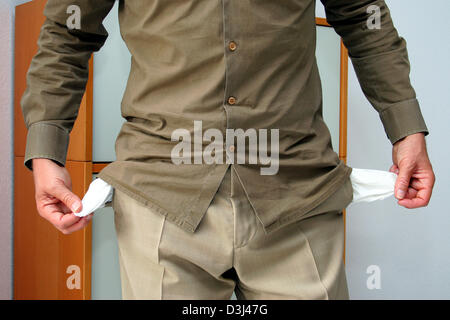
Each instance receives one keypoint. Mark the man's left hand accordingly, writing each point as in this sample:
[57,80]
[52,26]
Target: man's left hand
[416,178]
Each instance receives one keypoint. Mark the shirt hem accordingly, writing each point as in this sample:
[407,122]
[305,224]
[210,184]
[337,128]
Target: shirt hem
[189,222]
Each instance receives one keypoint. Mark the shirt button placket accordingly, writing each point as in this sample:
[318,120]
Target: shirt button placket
[230,50]
[232,47]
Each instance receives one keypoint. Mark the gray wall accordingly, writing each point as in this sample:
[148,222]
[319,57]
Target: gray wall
[410,247]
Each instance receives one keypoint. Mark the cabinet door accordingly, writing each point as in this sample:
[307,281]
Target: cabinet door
[47,264]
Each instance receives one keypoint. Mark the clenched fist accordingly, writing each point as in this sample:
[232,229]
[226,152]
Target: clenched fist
[416,178]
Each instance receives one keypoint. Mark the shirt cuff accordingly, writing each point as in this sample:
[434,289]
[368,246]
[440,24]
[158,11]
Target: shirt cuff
[48,141]
[403,119]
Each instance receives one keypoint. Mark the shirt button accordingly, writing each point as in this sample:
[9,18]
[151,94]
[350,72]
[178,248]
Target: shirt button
[232,46]
[231,148]
[231,100]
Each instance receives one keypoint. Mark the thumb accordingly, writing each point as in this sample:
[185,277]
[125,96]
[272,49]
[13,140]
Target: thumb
[403,178]
[67,197]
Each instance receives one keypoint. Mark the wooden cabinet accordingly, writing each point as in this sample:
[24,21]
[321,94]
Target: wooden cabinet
[44,258]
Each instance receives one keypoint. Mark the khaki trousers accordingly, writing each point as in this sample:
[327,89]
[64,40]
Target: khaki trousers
[229,252]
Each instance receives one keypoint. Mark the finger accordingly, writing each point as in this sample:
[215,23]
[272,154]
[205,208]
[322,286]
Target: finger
[416,184]
[412,203]
[426,189]
[53,214]
[83,222]
[63,208]
[421,199]
[67,197]
[411,193]
[69,219]
[394,169]
[402,182]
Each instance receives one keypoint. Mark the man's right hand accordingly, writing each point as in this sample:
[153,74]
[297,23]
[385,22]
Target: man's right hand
[55,200]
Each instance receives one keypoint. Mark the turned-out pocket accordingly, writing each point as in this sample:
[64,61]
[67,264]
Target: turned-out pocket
[336,203]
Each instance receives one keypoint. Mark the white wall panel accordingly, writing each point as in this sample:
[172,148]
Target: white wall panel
[328,53]
[111,68]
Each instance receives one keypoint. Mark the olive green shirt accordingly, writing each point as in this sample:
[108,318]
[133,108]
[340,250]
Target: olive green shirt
[230,64]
